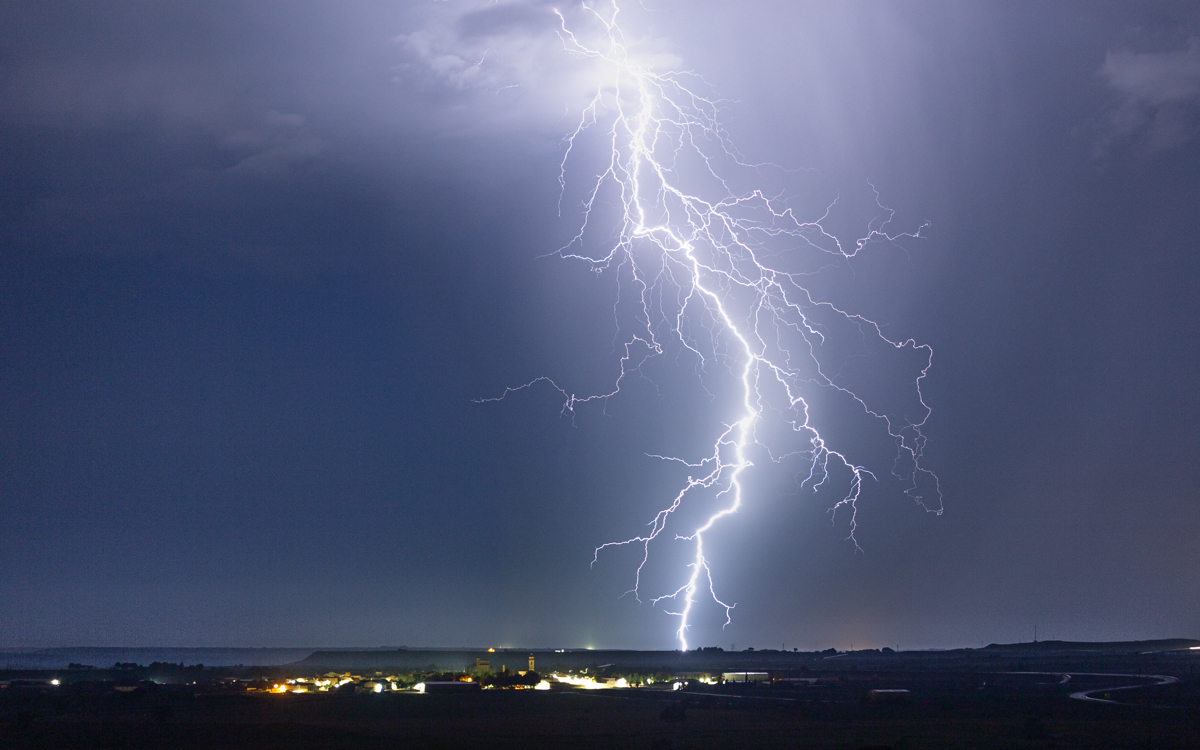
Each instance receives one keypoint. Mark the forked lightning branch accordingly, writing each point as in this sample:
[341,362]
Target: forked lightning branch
[726,274]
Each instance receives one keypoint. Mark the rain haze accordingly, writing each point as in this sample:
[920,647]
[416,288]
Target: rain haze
[260,262]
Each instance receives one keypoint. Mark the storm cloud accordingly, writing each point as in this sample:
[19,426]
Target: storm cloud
[1158,98]
[259,260]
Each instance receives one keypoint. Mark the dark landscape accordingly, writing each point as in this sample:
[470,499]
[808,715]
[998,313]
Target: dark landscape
[1033,695]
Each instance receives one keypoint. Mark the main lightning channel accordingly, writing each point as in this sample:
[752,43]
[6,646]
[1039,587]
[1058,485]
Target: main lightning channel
[712,259]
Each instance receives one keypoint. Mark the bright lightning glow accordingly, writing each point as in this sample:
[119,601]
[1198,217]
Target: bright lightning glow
[726,275]
[587,683]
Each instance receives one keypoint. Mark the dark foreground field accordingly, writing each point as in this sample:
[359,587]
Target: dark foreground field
[949,712]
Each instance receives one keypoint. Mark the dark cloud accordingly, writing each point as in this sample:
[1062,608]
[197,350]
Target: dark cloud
[1158,99]
[527,18]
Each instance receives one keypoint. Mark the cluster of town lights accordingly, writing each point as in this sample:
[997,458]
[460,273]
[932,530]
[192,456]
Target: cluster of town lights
[588,683]
[389,684]
[302,685]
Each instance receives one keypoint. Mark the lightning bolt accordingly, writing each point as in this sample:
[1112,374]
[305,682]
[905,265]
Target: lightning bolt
[714,269]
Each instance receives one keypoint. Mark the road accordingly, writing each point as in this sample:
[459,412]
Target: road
[1086,695]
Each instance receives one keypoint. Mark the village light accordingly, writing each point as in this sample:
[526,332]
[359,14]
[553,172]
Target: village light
[587,683]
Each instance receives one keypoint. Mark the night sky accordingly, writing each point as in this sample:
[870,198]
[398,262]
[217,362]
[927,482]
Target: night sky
[258,261]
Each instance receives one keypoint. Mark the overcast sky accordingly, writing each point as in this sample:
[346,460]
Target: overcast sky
[258,261]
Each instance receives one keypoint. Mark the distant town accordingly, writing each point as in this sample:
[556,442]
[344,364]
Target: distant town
[1042,694]
[506,670]
[709,669]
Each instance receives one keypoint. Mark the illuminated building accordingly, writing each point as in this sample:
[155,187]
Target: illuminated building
[745,676]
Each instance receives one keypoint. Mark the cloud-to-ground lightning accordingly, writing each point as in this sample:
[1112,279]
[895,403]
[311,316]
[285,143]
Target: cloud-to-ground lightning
[725,273]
